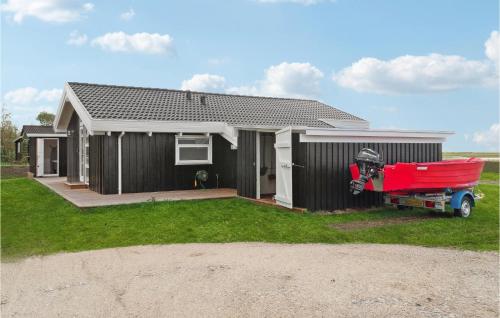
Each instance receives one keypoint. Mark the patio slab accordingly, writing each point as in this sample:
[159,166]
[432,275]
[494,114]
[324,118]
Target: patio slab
[85,198]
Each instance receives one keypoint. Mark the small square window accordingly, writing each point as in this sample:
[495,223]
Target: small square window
[193,150]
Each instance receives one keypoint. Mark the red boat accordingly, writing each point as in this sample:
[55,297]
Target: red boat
[423,177]
[430,185]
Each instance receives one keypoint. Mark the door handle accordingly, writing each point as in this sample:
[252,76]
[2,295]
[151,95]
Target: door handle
[296,165]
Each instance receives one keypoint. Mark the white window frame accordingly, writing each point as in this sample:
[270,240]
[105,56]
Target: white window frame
[179,162]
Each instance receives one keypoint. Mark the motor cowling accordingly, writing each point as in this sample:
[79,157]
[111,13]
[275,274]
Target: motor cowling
[369,164]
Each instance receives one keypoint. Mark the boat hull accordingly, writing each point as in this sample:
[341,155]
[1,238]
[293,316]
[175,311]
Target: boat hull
[425,177]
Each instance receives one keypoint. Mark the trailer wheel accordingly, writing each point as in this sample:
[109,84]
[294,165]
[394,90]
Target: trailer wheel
[465,207]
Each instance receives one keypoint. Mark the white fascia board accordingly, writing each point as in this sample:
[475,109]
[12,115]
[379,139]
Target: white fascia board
[373,135]
[378,133]
[340,123]
[100,126]
[263,128]
[230,134]
[156,126]
[373,139]
[70,96]
[47,135]
[62,101]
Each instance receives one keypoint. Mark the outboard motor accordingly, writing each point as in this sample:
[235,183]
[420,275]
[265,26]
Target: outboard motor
[369,164]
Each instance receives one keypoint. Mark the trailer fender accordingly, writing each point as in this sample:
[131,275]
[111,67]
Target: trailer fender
[456,198]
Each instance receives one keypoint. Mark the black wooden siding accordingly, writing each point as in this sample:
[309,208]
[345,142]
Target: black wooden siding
[72,144]
[63,154]
[298,171]
[148,164]
[325,183]
[32,154]
[103,164]
[247,176]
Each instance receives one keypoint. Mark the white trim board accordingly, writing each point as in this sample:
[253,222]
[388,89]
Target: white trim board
[47,135]
[374,135]
[360,124]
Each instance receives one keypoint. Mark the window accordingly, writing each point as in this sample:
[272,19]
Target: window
[19,146]
[193,150]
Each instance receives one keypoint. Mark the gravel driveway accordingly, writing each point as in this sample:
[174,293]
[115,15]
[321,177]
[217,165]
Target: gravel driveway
[253,280]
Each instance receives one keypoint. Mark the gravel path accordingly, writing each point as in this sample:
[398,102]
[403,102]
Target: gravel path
[254,280]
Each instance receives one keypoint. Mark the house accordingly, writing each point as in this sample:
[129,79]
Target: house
[132,139]
[44,148]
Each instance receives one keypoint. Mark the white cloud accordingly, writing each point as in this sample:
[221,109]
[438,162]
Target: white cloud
[27,95]
[488,138]
[46,10]
[411,74]
[297,80]
[21,96]
[25,103]
[302,2]
[492,47]
[127,15]
[148,43]
[88,6]
[77,39]
[49,95]
[204,83]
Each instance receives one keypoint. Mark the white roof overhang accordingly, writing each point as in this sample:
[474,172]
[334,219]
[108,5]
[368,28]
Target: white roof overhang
[374,135]
[47,135]
[346,123]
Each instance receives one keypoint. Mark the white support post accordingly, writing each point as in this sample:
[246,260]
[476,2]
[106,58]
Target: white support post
[257,165]
[120,162]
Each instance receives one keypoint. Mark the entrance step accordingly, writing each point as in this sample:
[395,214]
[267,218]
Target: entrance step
[77,185]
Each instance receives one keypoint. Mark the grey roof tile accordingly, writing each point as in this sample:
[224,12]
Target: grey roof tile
[37,129]
[139,103]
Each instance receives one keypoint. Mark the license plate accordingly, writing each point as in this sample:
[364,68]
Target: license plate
[413,202]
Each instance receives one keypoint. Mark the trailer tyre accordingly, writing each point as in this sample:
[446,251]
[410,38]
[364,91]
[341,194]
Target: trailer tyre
[465,207]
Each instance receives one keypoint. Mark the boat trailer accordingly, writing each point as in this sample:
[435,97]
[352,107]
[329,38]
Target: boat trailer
[370,171]
[461,201]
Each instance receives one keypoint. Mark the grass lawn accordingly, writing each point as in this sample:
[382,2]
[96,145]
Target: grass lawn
[471,154]
[37,221]
[490,176]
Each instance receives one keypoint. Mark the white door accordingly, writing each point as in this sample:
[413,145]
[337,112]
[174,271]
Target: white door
[284,165]
[47,157]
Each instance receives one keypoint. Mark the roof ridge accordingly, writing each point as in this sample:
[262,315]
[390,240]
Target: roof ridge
[196,92]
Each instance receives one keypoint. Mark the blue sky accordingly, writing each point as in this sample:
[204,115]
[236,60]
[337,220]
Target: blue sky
[399,64]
